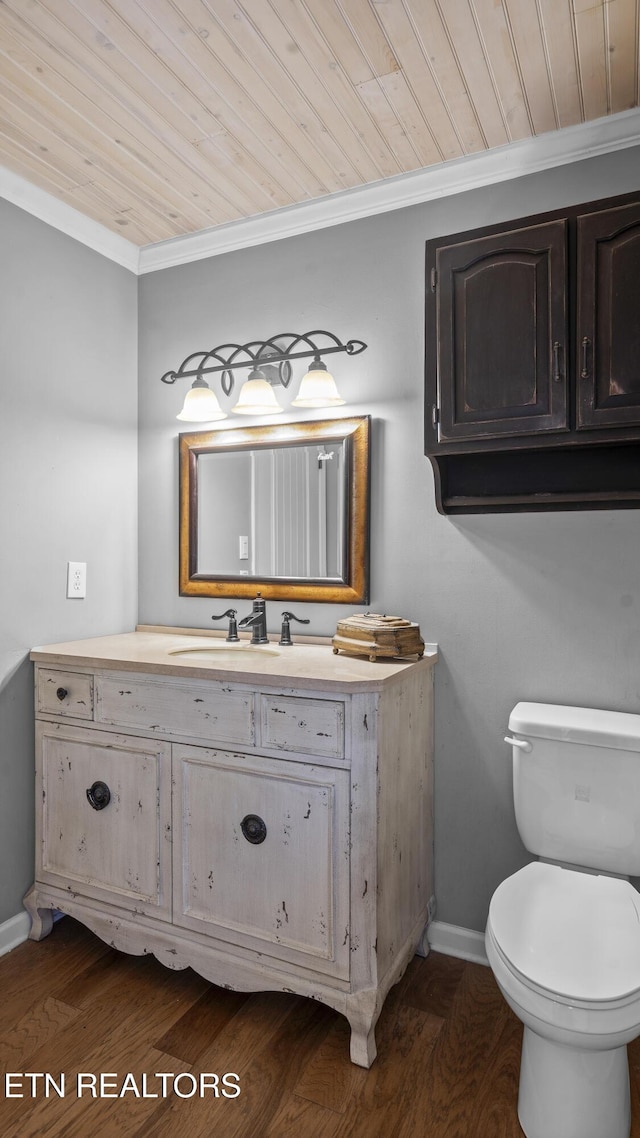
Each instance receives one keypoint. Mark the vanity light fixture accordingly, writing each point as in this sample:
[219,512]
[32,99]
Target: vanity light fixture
[318,388]
[201,404]
[257,396]
[270,364]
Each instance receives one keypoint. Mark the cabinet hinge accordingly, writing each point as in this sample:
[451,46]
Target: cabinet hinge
[435,416]
[434,279]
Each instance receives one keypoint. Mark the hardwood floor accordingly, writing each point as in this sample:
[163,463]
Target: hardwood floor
[447,1066]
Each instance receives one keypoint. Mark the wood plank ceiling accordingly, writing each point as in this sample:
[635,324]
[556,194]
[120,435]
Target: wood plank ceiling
[163,117]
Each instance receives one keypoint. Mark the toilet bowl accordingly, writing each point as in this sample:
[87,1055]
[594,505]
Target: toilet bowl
[564,946]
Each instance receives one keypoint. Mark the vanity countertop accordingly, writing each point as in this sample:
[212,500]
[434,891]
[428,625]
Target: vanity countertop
[302,665]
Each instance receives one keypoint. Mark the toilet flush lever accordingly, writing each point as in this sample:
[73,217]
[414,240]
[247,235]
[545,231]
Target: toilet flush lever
[523,744]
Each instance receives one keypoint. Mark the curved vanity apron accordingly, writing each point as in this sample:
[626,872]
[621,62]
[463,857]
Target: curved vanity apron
[573,934]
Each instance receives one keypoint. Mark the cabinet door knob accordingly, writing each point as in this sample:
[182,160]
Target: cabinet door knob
[99,795]
[253,829]
[62,693]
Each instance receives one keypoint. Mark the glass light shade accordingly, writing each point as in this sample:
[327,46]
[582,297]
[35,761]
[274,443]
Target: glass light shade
[201,405]
[257,398]
[318,389]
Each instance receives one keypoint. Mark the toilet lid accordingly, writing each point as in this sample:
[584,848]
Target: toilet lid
[575,934]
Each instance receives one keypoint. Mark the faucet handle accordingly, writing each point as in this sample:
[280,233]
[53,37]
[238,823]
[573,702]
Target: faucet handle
[233,624]
[285,635]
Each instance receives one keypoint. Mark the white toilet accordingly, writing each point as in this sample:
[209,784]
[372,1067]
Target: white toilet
[563,935]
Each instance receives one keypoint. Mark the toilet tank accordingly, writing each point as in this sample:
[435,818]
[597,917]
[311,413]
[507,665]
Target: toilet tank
[576,785]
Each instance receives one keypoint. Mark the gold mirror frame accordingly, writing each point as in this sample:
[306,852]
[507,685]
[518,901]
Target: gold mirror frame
[354,587]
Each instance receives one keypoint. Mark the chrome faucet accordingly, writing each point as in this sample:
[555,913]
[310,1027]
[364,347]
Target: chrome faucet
[257,621]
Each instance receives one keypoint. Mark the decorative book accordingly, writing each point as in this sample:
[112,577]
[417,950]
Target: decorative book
[378,636]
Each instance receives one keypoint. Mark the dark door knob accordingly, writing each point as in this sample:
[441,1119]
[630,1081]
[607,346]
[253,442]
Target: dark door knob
[253,829]
[99,795]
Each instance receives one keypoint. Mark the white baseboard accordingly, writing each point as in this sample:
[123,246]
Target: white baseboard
[453,940]
[14,931]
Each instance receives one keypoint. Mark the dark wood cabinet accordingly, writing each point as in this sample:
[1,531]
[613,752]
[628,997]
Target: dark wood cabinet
[532,383]
[608,317]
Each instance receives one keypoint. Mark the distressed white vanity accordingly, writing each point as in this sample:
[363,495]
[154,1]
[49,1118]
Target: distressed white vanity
[260,814]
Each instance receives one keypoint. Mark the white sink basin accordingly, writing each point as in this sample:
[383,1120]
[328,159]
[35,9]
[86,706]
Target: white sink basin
[222,651]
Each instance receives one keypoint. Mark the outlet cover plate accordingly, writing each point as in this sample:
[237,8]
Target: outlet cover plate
[76,580]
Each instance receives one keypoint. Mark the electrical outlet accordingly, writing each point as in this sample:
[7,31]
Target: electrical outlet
[76,579]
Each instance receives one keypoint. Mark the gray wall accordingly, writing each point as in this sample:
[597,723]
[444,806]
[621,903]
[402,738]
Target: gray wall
[68,471]
[539,606]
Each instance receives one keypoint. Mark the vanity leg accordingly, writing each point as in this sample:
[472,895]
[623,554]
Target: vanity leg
[362,1011]
[41,919]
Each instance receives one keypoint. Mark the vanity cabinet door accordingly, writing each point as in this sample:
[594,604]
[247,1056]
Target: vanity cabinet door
[262,850]
[608,323]
[105,824]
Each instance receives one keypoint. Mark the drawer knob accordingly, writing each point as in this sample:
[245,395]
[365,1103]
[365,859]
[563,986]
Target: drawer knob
[253,829]
[62,693]
[99,795]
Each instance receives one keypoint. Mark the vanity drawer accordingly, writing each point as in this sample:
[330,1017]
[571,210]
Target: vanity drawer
[196,709]
[64,693]
[313,726]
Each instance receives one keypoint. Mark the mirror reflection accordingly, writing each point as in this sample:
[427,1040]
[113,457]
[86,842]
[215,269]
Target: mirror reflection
[283,509]
[282,514]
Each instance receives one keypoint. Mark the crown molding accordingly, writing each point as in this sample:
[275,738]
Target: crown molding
[46,207]
[516,159]
[503,163]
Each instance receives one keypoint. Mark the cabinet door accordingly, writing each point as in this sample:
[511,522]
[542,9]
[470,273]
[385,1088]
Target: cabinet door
[111,844]
[608,324]
[263,855]
[501,334]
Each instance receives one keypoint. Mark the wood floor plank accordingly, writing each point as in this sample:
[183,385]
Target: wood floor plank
[35,970]
[408,1037]
[201,1023]
[41,1023]
[80,1114]
[365,1103]
[130,1114]
[271,1077]
[107,970]
[446,1097]
[496,1103]
[433,987]
[300,1118]
[633,1051]
[330,1079]
[120,1042]
[236,1049]
[144,1004]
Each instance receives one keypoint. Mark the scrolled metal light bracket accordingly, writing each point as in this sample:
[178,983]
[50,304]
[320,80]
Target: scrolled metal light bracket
[265,354]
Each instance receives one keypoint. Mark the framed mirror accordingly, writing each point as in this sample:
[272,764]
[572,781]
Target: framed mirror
[283,510]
